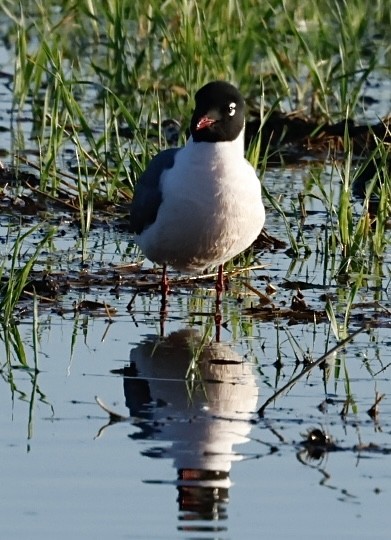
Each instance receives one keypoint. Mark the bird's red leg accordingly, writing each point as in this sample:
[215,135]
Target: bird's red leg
[164,283]
[219,292]
[219,285]
[163,308]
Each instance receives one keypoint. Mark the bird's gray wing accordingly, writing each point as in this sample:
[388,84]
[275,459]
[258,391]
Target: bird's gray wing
[147,195]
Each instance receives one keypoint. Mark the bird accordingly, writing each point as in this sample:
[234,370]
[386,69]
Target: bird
[199,205]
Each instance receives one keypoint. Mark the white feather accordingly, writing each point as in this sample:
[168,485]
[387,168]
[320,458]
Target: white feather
[211,207]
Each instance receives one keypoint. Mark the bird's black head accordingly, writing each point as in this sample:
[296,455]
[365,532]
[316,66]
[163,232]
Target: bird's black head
[219,113]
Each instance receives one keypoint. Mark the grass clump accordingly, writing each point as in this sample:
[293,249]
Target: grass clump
[15,277]
[316,56]
[97,79]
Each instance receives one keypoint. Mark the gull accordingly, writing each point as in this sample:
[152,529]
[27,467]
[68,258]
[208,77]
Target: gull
[200,205]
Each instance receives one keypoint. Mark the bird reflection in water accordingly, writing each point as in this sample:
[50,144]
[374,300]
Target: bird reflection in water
[199,418]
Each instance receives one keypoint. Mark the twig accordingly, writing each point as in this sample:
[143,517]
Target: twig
[213,275]
[324,357]
[114,416]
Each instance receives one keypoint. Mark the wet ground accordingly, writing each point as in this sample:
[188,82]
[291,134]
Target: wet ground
[109,429]
[193,453]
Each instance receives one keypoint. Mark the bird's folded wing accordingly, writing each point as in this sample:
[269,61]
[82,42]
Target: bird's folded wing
[147,195]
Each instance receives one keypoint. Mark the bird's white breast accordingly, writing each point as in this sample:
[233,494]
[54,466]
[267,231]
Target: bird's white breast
[211,208]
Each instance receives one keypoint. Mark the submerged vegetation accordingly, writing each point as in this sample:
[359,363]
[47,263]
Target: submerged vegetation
[91,90]
[97,87]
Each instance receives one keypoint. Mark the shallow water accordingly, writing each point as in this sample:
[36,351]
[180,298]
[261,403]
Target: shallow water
[66,472]
[189,456]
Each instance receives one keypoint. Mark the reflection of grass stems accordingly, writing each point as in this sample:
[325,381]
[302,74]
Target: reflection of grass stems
[13,344]
[329,354]
[31,405]
[341,331]
[73,340]
[352,294]
[332,318]
[295,346]
[193,371]
[14,348]
[35,332]
[348,391]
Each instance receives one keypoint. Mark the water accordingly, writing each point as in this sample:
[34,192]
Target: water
[66,472]
[190,457]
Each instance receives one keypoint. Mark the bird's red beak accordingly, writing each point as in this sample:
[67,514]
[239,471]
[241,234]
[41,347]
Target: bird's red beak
[204,122]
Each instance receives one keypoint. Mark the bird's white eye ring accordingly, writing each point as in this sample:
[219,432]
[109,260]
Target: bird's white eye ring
[232,109]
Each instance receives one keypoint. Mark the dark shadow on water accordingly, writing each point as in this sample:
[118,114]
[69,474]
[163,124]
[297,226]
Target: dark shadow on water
[194,401]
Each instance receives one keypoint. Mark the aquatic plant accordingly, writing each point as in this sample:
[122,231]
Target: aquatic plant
[97,80]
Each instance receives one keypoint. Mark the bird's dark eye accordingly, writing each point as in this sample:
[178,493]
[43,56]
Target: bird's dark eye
[232,109]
